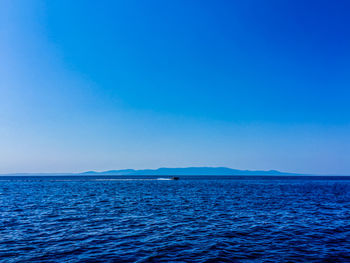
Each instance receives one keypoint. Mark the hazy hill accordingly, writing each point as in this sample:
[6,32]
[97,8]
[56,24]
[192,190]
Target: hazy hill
[187,171]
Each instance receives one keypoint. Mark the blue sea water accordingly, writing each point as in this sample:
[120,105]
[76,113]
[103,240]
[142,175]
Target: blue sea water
[194,219]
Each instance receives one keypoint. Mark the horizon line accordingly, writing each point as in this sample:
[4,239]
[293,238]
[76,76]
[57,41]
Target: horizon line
[156,169]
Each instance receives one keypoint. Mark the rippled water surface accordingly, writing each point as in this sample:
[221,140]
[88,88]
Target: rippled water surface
[85,219]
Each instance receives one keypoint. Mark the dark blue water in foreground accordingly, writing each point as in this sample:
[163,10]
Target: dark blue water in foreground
[247,219]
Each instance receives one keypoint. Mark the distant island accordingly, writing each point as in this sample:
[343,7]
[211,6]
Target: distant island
[219,171]
[188,171]
[192,171]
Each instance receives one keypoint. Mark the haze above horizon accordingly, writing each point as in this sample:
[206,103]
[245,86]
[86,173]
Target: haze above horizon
[255,85]
[171,171]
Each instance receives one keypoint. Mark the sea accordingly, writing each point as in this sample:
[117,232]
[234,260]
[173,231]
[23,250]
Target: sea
[155,219]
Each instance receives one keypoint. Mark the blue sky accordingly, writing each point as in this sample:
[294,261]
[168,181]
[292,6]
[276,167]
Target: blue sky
[98,85]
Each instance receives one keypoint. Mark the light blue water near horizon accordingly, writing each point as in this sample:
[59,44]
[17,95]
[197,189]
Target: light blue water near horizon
[194,219]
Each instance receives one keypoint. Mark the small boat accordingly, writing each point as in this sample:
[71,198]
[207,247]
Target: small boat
[174,178]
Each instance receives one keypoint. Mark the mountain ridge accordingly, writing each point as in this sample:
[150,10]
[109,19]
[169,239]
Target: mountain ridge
[188,171]
[180,171]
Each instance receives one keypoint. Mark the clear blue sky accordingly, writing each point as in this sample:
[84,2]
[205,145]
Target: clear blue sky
[98,85]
